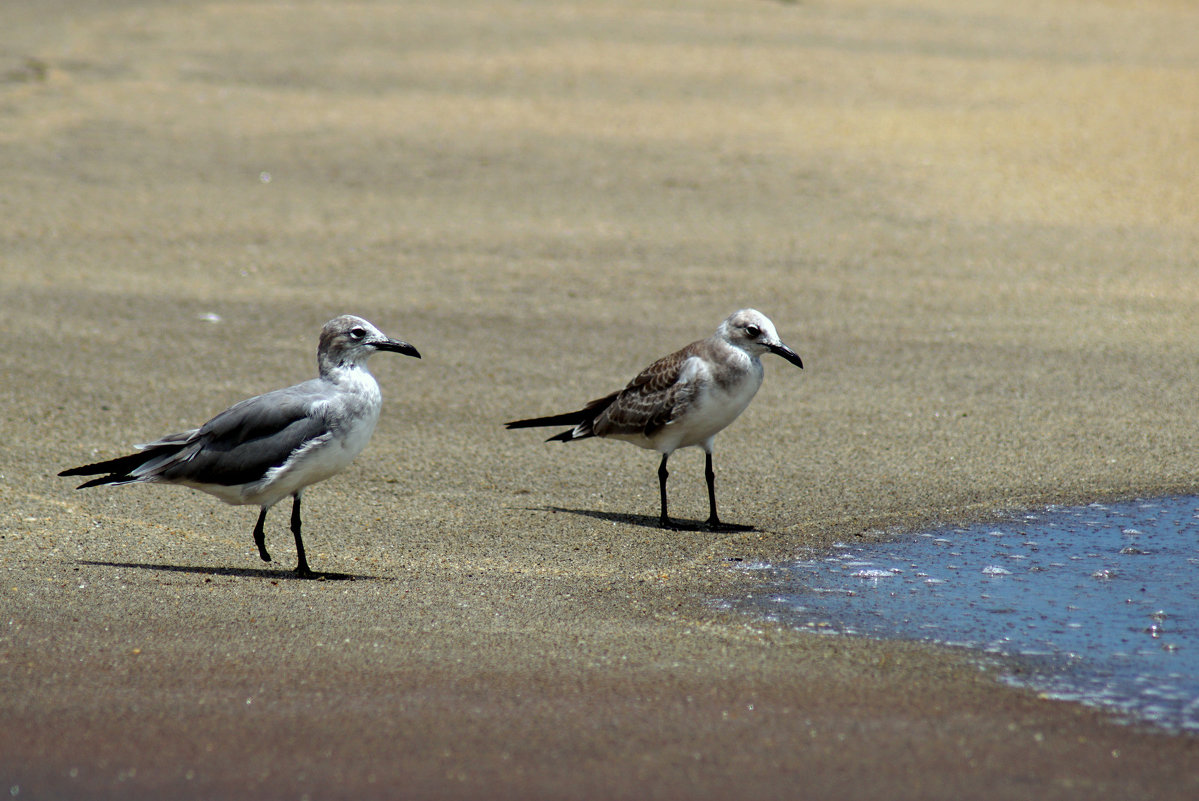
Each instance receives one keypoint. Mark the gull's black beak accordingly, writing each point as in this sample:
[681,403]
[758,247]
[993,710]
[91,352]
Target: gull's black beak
[788,354]
[397,346]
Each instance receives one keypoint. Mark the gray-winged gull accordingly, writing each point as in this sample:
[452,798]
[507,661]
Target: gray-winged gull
[270,446]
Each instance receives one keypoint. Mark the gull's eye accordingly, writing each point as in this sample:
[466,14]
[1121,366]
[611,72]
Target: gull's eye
[358,333]
[752,331]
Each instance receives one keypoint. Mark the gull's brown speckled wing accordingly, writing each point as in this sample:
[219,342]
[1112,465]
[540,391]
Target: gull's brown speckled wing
[652,399]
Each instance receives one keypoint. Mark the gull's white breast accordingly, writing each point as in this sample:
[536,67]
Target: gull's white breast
[722,394]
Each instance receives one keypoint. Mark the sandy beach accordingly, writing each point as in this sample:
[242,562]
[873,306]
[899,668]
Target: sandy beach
[975,222]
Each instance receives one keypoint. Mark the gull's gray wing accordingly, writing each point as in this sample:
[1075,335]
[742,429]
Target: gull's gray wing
[241,443]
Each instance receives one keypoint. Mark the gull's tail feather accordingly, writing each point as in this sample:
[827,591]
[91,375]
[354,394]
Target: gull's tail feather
[570,434]
[581,420]
[570,418]
[138,466]
[576,419]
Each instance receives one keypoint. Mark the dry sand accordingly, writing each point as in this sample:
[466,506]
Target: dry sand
[976,222]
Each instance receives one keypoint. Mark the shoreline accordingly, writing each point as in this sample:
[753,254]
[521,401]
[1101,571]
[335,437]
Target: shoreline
[1055,647]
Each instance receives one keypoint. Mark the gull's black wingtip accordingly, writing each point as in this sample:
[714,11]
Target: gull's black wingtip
[535,422]
[112,478]
[82,470]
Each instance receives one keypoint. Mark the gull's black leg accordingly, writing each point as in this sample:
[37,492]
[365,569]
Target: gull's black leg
[710,476]
[713,518]
[663,473]
[302,567]
[260,535]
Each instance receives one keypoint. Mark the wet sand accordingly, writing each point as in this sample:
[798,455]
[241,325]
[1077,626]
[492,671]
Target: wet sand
[976,224]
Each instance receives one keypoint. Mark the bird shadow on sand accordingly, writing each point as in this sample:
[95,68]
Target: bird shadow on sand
[238,572]
[645,521]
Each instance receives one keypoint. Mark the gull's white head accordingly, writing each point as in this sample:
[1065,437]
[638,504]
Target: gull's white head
[752,332]
[348,341]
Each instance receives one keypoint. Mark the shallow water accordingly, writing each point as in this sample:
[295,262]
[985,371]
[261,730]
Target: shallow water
[1096,604]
